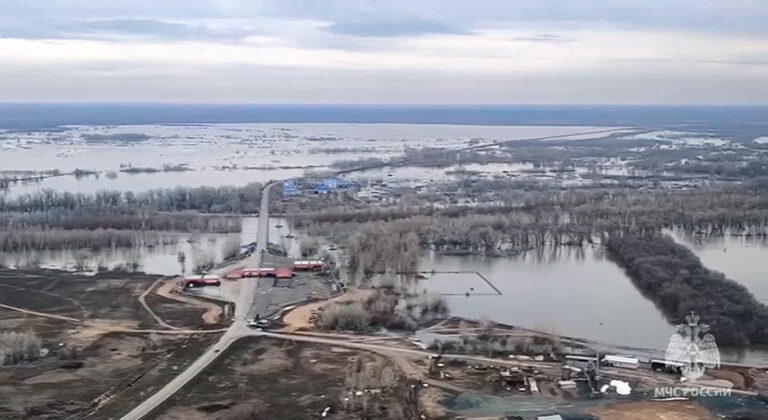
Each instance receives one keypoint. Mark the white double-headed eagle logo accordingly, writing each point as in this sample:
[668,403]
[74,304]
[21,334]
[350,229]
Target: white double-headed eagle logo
[693,351]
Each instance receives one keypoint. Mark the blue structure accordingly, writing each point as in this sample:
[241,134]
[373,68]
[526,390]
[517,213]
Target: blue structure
[331,183]
[290,188]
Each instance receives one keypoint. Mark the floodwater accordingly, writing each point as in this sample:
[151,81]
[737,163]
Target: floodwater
[144,181]
[158,259]
[223,154]
[740,258]
[569,291]
[573,292]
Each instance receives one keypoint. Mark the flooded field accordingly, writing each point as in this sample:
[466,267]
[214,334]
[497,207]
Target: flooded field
[221,154]
[197,248]
[163,259]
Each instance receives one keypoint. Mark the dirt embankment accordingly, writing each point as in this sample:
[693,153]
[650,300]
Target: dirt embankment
[299,317]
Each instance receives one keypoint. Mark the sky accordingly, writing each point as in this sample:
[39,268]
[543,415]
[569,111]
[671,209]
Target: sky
[385,52]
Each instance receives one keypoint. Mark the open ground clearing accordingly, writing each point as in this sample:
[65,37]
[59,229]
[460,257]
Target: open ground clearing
[94,363]
[267,378]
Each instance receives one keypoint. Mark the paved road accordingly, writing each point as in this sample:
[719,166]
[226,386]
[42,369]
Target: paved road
[238,329]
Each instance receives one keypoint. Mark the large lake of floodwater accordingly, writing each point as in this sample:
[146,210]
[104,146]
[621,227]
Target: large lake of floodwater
[226,154]
[569,291]
[581,293]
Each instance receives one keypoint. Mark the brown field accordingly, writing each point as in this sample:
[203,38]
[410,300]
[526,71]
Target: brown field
[266,379]
[93,365]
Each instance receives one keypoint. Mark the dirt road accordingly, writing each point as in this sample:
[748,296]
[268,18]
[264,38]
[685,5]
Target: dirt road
[212,312]
[41,314]
[143,301]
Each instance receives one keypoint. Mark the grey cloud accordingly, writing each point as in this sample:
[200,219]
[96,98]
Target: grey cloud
[112,28]
[31,18]
[386,29]
[543,38]
[735,16]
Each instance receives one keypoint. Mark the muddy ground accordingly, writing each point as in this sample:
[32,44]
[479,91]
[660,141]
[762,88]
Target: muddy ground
[269,379]
[89,368]
[103,296]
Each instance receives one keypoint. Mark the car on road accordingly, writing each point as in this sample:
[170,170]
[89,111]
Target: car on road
[259,323]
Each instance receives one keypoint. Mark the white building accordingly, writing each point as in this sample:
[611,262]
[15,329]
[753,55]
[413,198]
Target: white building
[621,361]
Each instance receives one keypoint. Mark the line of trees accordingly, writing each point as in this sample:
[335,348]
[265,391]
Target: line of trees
[202,199]
[36,238]
[707,211]
[674,278]
[88,219]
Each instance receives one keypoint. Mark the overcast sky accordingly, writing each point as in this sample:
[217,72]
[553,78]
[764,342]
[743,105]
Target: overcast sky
[393,51]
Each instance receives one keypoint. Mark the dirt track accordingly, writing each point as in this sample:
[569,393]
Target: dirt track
[143,301]
[105,326]
[41,314]
[212,312]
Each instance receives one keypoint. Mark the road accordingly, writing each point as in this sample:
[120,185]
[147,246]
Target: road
[237,330]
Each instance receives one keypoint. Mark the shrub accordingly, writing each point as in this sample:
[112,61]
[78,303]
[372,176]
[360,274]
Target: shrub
[345,317]
[18,348]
